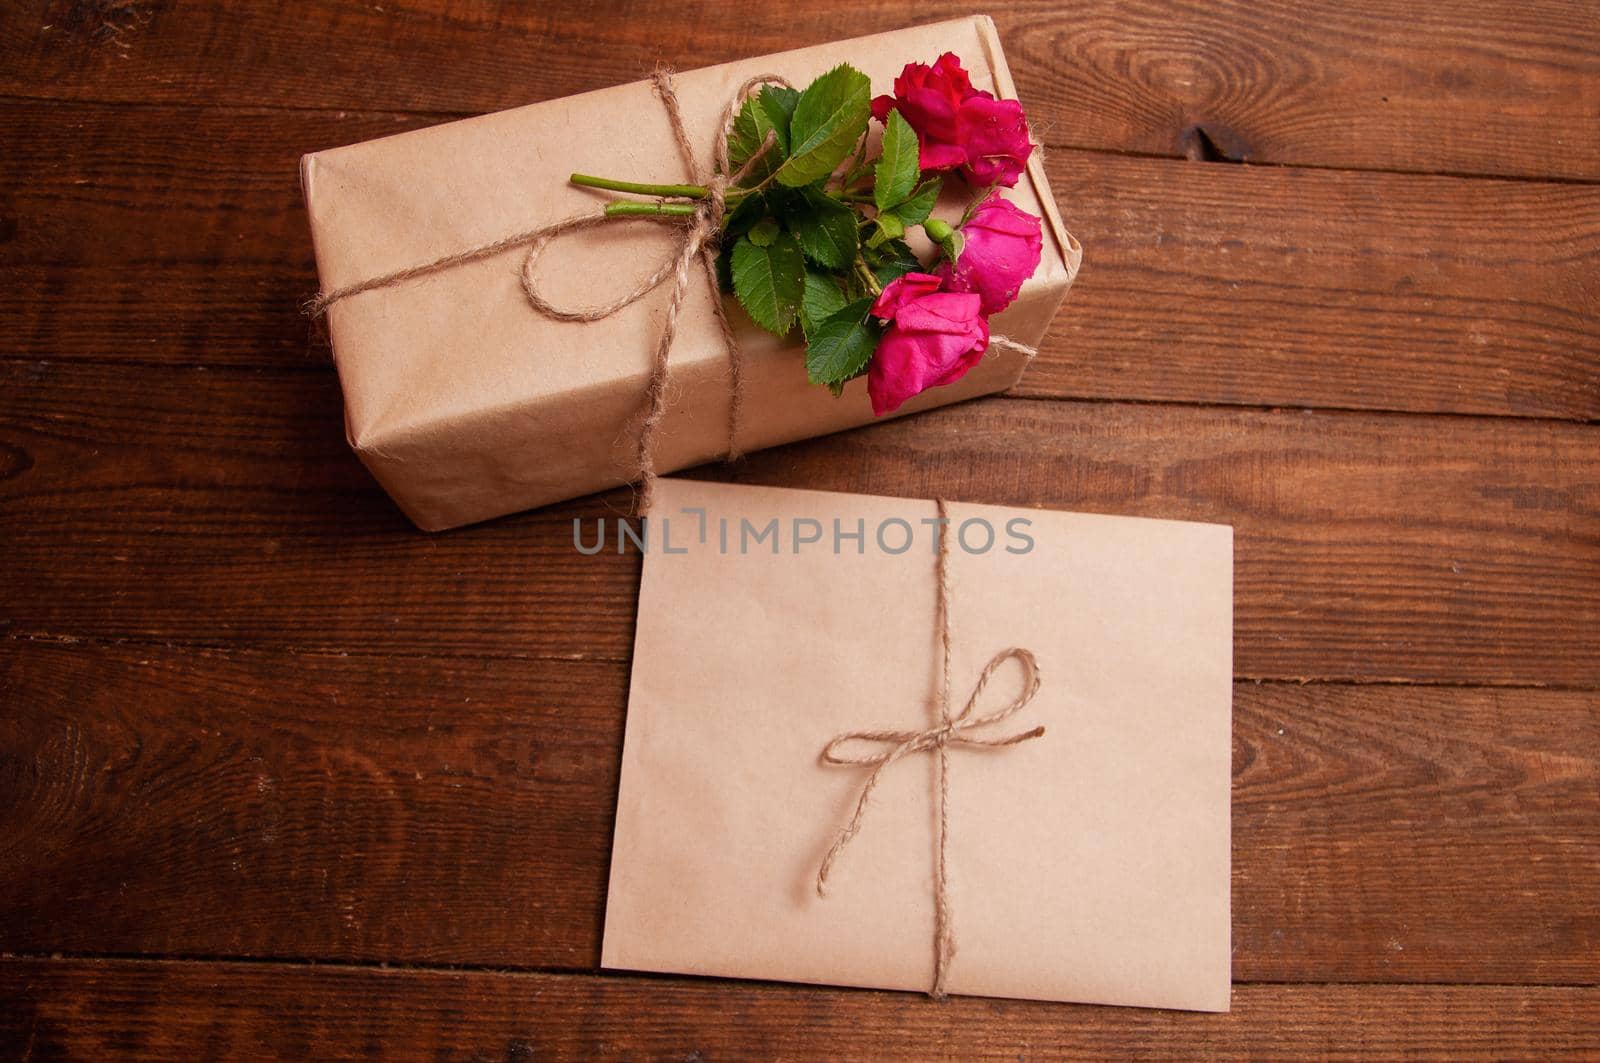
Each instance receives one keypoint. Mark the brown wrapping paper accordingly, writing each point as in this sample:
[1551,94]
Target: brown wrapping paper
[466,404]
[1090,864]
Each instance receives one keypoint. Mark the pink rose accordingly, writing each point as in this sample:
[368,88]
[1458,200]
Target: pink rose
[1001,248]
[958,125]
[934,337]
[995,136]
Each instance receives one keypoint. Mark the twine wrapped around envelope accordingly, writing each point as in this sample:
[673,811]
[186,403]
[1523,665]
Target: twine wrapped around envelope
[701,231]
[952,731]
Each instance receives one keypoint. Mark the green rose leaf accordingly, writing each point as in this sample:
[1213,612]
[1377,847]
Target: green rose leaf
[781,99]
[826,228]
[841,347]
[763,232]
[889,228]
[829,117]
[768,111]
[823,298]
[898,166]
[915,209]
[770,281]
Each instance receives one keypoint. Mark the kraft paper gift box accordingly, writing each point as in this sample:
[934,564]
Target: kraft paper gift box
[1090,863]
[466,404]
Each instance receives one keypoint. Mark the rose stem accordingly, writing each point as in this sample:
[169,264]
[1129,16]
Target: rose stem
[866,275]
[672,210]
[681,191]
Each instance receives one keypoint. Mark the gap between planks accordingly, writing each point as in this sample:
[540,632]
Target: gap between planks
[610,973]
[268,649]
[441,117]
[1018,394]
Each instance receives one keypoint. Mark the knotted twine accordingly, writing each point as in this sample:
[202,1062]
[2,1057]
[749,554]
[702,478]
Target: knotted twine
[699,241]
[700,235]
[952,731]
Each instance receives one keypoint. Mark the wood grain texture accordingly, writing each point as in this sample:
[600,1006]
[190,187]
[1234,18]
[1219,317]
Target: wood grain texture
[1255,285]
[223,508]
[248,713]
[1464,86]
[167,801]
[177,236]
[84,1009]
[224,803]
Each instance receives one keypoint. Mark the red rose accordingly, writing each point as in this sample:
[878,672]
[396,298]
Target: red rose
[958,125]
[934,337]
[1000,250]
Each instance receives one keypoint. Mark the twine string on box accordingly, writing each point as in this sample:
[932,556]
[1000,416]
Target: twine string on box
[698,242]
[952,731]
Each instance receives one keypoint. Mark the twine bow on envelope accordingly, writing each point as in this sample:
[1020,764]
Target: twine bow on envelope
[954,730]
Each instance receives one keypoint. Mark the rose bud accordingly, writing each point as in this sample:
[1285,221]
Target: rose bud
[958,125]
[934,337]
[1000,248]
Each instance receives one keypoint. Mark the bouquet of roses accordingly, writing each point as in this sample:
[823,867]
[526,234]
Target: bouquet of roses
[814,224]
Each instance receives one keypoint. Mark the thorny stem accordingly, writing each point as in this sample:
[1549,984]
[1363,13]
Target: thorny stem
[867,278]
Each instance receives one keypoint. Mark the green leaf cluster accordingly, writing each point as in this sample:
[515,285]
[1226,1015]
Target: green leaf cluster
[786,216]
[813,219]
[805,243]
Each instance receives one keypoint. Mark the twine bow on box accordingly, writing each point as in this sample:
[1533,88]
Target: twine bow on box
[701,229]
[957,730]
[699,241]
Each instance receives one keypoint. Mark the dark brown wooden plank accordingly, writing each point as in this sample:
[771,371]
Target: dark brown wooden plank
[223,508]
[167,801]
[163,234]
[193,802]
[88,1009]
[1310,288]
[1466,86]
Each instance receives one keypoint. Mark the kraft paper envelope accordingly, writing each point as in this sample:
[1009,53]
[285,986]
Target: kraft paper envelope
[1090,864]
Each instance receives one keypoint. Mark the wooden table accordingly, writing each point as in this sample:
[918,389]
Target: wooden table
[281,777]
